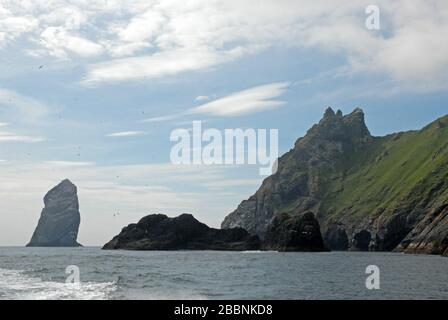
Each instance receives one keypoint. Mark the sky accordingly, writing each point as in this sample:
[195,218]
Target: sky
[91,90]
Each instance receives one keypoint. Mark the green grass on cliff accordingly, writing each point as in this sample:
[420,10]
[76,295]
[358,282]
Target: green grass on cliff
[403,169]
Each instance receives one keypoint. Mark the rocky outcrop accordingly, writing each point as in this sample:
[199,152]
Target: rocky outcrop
[430,235]
[367,193]
[297,185]
[294,233]
[60,218]
[159,232]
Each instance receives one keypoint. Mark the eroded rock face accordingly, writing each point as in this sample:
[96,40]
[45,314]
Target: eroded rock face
[430,235]
[336,238]
[294,233]
[159,232]
[60,218]
[361,240]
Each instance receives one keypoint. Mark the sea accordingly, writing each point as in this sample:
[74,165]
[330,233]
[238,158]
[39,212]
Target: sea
[92,273]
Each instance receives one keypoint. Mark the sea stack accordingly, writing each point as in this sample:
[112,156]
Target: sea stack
[60,218]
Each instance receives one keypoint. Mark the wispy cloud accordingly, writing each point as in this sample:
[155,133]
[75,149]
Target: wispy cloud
[165,118]
[252,100]
[29,109]
[66,164]
[233,183]
[126,134]
[12,137]
[159,64]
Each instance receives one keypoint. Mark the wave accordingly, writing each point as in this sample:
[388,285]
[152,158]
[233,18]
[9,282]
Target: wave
[14,285]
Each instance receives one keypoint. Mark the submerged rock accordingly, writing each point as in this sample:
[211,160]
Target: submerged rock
[60,218]
[159,232]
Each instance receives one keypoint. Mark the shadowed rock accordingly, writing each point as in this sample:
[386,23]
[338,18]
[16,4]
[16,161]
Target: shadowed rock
[159,232]
[59,221]
[294,233]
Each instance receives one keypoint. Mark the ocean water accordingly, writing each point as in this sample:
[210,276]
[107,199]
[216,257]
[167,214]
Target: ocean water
[40,273]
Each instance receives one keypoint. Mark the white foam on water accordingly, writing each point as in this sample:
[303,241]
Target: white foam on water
[14,284]
[140,294]
[259,251]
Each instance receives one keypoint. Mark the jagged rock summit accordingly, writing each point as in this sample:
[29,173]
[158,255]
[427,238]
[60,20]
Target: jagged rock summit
[60,218]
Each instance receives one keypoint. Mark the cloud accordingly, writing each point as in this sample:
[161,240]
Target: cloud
[126,49]
[164,118]
[58,41]
[29,109]
[13,27]
[142,27]
[202,98]
[67,164]
[126,134]
[252,100]
[161,39]
[157,65]
[12,137]
[233,183]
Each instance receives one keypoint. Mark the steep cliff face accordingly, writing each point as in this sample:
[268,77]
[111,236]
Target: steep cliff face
[59,221]
[368,193]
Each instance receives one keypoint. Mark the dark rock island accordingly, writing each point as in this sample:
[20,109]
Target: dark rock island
[159,232]
[60,218]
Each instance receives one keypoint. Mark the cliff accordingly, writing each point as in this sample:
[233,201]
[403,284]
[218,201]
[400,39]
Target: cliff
[368,193]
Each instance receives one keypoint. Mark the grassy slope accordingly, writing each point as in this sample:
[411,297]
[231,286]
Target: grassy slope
[408,168]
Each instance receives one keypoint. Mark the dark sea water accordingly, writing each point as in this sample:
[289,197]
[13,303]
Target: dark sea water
[39,273]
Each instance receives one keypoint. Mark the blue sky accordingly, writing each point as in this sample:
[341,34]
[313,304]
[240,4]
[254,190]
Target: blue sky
[91,92]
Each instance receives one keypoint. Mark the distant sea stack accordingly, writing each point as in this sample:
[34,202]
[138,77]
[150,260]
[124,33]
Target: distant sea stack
[159,232]
[368,193]
[60,218]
